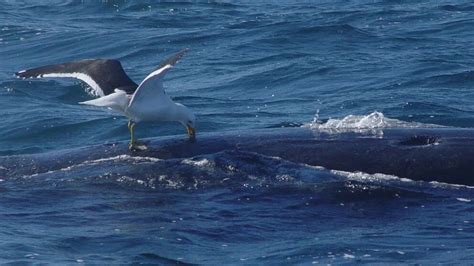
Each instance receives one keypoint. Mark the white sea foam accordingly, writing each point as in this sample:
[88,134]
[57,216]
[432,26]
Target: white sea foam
[378,177]
[448,185]
[348,256]
[463,199]
[371,123]
[361,176]
[199,163]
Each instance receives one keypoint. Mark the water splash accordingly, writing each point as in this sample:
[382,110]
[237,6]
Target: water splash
[372,123]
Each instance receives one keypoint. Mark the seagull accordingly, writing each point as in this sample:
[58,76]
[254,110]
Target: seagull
[106,78]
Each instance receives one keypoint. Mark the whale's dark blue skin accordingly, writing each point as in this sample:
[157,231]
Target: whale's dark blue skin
[431,154]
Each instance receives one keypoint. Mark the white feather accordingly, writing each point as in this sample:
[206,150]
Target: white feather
[151,86]
[97,90]
[117,101]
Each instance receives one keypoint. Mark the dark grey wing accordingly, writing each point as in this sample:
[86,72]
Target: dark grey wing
[172,60]
[102,75]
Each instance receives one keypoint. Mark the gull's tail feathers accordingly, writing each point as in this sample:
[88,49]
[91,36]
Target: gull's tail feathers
[118,101]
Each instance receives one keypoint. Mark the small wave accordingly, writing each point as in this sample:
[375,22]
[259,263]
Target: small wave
[152,258]
[15,33]
[343,29]
[452,79]
[457,8]
[286,124]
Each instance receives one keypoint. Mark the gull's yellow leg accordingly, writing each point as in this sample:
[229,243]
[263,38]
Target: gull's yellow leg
[134,144]
[191,132]
[131,126]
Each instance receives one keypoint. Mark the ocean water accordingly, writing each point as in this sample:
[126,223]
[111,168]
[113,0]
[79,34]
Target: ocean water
[329,65]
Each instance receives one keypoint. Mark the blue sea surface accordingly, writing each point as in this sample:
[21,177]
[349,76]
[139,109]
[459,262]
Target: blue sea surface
[250,65]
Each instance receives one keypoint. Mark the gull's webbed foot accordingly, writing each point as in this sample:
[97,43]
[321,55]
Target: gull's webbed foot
[137,146]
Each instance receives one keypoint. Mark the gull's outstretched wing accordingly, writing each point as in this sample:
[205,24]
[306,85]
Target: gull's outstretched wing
[102,75]
[152,85]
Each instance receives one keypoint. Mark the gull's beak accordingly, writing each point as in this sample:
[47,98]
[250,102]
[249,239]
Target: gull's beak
[191,132]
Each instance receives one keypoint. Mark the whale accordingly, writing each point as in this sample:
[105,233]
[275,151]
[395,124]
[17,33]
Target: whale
[425,154]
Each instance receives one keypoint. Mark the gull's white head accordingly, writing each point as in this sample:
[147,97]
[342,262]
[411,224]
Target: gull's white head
[186,118]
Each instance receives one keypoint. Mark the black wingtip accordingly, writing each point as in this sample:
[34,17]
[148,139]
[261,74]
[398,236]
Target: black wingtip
[172,60]
[23,74]
[19,74]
